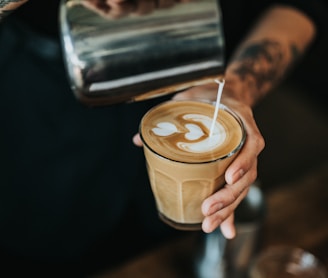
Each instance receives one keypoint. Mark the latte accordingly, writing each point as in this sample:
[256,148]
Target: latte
[185,164]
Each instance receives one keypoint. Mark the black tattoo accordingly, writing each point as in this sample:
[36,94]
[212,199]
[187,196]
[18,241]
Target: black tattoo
[264,63]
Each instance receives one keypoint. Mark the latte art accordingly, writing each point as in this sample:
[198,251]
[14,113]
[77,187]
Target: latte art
[180,131]
[197,139]
[165,129]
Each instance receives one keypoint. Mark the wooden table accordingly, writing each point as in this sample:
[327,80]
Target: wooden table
[297,214]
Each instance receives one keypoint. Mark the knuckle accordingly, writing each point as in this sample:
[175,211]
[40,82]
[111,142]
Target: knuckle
[259,142]
[232,195]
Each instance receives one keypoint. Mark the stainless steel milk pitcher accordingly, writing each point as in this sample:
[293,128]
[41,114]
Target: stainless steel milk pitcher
[135,57]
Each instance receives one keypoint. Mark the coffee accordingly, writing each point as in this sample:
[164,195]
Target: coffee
[185,164]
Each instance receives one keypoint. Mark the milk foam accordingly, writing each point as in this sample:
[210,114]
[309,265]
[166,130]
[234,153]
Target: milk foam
[194,133]
[165,129]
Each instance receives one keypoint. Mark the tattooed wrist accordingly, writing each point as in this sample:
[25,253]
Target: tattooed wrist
[263,64]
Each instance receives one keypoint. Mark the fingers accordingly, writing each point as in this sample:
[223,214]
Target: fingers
[228,228]
[229,194]
[115,9]
[223,217]
[119,8]
[219,207]
[246,161]
[109,8]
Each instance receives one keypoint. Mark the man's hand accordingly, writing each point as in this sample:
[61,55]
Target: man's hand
[219,208]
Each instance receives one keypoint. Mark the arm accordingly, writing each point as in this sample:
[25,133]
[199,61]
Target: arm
[273,47]
[7,6]
[263,59]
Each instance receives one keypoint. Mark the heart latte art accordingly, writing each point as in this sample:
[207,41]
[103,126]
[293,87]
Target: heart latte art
[196,140]
[180,131]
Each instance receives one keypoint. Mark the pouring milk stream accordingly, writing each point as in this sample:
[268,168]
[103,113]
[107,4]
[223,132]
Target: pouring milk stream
[217,104]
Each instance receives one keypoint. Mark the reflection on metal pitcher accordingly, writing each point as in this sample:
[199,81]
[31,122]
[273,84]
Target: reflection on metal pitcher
[129,52]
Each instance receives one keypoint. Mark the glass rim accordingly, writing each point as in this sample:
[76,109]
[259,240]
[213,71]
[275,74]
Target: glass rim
[221,106]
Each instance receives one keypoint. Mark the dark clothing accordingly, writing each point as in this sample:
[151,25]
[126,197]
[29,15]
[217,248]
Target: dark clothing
[73,187]
[70,174]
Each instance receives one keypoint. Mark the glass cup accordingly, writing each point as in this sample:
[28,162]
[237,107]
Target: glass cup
[186,165]
[287,262]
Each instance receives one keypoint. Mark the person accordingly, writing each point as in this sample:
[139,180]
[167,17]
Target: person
[75,197]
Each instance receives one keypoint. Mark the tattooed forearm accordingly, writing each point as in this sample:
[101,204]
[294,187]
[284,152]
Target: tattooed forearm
[7,6]
[257,67]
[261,65]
